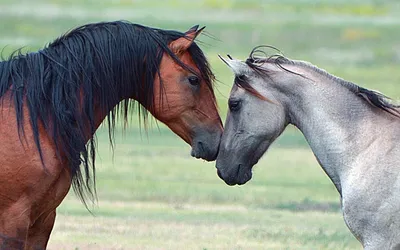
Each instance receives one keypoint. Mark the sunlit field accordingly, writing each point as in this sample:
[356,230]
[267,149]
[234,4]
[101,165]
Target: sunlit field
[151,193]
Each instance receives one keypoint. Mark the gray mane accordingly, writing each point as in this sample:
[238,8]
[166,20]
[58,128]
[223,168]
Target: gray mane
[373,97]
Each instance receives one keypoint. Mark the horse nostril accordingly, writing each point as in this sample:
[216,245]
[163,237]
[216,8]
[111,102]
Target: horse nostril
[238,170]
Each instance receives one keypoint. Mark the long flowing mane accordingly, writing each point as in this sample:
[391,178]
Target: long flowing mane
[106,62]
[258,57]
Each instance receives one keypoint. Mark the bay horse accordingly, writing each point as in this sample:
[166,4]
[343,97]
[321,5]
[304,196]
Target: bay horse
[354,133]
[53,100]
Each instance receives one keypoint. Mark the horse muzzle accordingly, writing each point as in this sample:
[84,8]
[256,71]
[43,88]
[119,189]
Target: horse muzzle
[205,145]
[236,175]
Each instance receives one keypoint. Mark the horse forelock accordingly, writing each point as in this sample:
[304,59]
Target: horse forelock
[105,61]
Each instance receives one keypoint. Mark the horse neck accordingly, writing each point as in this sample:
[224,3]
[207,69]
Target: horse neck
[334,122]
[112,72]
[101,113]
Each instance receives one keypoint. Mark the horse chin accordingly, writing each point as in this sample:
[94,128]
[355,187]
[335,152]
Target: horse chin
[245,177]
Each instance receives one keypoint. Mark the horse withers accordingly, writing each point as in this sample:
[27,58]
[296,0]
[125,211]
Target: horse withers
[53,100]
[354,133]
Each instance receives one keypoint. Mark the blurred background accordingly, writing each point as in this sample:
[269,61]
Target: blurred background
[151,193]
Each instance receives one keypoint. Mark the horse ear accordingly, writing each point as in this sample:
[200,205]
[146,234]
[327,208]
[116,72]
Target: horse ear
[183,43]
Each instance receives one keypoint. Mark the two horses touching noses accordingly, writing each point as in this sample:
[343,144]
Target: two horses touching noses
[53,101]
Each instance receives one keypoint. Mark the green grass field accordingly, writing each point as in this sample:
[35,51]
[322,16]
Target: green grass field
[151,193]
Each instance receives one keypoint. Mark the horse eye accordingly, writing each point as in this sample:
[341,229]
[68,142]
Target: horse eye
[234,105]
[194,80]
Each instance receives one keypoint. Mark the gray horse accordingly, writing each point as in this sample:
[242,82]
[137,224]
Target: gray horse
[354,133]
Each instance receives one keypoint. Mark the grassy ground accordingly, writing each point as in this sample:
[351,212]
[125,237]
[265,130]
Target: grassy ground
[152,195]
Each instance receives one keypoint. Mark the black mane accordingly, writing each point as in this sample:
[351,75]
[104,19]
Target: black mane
[107,62]
[258,57]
